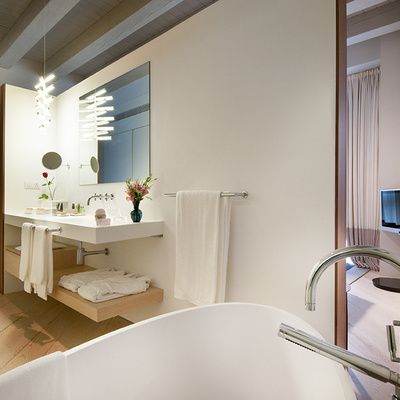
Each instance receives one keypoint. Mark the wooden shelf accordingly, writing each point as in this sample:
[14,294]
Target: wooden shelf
[95,311]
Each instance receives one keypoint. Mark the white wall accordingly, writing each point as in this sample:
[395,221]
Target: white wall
[242,98]
[25,146]
[389,132]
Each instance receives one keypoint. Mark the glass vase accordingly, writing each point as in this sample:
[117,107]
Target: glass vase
[136,214]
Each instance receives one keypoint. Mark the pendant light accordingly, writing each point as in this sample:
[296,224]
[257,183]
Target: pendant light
[43,97]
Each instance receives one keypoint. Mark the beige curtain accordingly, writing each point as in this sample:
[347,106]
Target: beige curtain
[363,226]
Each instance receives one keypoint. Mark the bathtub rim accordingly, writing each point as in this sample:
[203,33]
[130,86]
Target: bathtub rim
[311,330]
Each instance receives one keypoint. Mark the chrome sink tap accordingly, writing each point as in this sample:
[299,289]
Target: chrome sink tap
[94,196]
[100,197]
[339,254]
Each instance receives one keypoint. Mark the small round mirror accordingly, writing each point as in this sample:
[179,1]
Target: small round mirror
[94,164]
[51,160]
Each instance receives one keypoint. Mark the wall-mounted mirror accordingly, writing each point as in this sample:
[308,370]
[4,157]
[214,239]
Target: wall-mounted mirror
[114,129]
[51,160]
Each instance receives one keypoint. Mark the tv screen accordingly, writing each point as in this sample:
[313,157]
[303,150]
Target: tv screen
[390,208]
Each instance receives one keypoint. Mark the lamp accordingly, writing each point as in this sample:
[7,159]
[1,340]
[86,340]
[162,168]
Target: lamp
[43,97]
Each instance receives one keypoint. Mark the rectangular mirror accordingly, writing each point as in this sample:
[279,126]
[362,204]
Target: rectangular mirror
[114,129]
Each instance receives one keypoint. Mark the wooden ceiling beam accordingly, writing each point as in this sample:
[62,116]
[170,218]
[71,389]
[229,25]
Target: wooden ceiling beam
[376,22]
[354,6]
[30,27]
[119,23]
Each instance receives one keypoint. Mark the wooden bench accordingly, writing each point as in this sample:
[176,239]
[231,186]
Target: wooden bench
[64,263]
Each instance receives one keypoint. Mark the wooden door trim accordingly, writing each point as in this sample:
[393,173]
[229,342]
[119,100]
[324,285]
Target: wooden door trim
[340,201]
[2,174]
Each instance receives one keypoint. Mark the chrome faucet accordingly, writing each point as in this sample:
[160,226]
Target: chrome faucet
[339,254]
[342,356]
[100,197]
[345,357]
[94,196]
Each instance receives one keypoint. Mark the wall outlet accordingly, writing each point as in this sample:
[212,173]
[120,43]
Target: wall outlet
[32,185]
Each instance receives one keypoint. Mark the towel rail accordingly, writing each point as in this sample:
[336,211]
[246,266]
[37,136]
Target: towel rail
[59,229]
[244,194]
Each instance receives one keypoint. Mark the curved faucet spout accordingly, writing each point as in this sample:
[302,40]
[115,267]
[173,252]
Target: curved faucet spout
[339,254]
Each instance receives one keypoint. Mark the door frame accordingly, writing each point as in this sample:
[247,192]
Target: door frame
[340,173]
[2,177]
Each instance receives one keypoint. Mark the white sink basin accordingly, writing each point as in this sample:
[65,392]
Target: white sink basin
[84,228]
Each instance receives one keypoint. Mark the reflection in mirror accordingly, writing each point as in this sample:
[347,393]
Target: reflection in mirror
[114,129]
[51,160]
[94,164]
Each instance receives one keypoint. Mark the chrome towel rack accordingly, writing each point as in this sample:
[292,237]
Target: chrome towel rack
[59,229]
[244,194]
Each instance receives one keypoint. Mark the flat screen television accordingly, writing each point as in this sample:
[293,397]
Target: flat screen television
[390,208]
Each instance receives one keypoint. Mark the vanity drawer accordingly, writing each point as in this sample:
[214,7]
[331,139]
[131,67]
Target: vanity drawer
[11,262]
[62,258]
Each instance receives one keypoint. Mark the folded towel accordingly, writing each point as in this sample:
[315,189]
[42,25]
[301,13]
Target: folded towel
[74,281]
[26,254]
[41,274]
[104,284]
[43,379]
[202,240]
[111,288]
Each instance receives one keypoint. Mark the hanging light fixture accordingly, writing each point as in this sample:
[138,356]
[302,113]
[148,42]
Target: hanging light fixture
[43,97]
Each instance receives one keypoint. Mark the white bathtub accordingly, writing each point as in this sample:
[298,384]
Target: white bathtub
[224,351]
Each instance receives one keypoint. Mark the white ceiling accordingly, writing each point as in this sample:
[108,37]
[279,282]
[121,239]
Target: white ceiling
[83,36]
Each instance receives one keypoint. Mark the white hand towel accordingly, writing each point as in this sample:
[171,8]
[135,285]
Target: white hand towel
[26,254]
[223,247]
[43,379]
[202,241]
[41,274]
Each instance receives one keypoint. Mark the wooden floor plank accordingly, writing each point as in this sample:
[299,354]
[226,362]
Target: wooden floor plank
[31,328]
[10,297]
[39,348]
[370,309]
[11,311]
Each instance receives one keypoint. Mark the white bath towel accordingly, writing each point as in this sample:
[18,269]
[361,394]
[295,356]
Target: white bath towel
[202,242]
[26,254]
[111,288]
[43,379]
[74,281]
[41,274]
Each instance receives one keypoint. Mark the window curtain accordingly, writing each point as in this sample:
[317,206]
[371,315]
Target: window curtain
[363,225]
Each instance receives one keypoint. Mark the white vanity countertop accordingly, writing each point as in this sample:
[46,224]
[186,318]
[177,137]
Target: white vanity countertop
[84,228]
